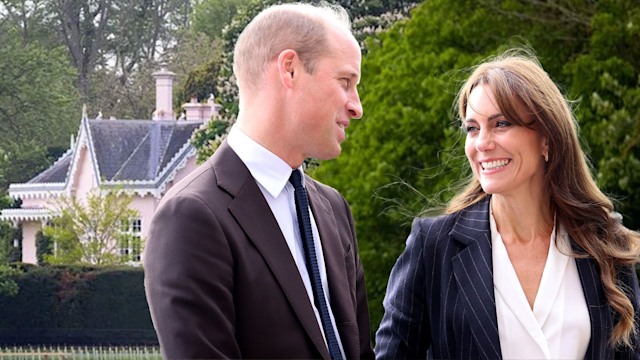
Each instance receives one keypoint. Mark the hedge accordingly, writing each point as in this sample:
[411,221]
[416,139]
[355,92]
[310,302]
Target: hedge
[77,305]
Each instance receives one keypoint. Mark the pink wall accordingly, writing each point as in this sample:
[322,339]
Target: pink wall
[146,206]
[29,230]
[84,179]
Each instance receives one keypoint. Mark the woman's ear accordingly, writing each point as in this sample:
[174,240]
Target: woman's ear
[286,65]
[545,149]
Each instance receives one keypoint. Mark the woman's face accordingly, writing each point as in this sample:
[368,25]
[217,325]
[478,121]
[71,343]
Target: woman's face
[506,158]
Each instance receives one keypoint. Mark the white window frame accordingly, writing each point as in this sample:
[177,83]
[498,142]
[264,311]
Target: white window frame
[132,251]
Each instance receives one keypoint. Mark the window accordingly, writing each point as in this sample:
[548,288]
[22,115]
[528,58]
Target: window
[131,243]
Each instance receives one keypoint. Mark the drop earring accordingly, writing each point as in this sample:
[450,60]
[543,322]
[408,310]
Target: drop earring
[546,156]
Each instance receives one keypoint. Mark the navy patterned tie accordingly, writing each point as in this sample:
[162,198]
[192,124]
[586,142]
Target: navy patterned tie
[302,209]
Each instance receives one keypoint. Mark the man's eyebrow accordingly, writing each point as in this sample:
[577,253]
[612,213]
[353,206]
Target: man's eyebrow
[348,73]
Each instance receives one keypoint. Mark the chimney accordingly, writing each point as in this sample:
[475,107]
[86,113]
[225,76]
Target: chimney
[195,111]
[164,95]
[192,110]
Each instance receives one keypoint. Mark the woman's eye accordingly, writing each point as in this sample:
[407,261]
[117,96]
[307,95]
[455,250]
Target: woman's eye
[470,128]
[503,123]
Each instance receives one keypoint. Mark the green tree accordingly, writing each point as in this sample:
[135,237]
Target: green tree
[108,43]
[8,253]
[20,162]
[38,108]
[83,27]
[29,17]
[195,61]
[141,37]
[8,286]
[35,90]
[211,16]
[90,231]
[607,79]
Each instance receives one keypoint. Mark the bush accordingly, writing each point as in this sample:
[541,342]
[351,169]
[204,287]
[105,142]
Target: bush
[77,305]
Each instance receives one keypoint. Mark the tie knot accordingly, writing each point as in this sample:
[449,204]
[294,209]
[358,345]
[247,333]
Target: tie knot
[296,178]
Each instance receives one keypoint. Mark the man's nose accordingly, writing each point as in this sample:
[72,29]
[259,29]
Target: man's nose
[354,106]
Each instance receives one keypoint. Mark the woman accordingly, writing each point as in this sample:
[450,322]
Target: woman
[529,260]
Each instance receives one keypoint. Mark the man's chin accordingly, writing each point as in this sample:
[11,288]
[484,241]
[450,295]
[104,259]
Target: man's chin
[330,155]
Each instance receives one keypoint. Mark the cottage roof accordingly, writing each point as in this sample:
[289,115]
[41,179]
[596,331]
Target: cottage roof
[56,173]
[141,155]
[137,150]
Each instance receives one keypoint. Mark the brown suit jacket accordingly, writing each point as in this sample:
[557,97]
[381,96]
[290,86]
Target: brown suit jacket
[220,279]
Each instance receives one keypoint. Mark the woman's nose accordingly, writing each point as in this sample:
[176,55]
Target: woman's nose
[484,141]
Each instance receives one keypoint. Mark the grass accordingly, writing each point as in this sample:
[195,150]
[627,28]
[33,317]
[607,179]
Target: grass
[67,352]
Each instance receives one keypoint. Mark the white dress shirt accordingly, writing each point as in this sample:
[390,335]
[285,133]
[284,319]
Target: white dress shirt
[558,326]
[272,176]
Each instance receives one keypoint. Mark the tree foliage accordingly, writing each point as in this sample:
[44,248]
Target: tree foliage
[8,254]
[211,16]
[38,107]
[199,62]
[607,79]
[8,286]
[83,27]
[125,32]
[90,231]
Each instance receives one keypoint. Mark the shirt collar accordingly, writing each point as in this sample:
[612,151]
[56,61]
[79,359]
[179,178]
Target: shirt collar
[270,171]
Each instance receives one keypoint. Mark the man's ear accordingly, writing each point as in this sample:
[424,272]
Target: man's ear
[287,61]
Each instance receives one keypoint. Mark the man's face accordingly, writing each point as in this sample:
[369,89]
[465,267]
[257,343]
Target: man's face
[328,99]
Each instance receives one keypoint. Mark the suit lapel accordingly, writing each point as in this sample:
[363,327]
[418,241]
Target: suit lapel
[334,259]
[599,310]
[473,271]
[254,216]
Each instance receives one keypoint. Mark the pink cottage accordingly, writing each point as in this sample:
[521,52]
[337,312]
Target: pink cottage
[144,157]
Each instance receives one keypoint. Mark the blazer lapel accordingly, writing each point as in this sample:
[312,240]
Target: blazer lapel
[473,271]
[599,310]
[334,259]
[254,216]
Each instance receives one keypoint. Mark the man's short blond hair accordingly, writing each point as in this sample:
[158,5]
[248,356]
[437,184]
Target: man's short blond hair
[300,27]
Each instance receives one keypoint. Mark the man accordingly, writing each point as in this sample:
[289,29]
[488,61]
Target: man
[226,267]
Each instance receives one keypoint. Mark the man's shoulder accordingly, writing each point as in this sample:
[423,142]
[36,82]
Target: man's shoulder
[324,189]
[206,177]
[201,177]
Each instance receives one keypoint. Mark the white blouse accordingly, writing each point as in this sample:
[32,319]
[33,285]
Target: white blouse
[558,327]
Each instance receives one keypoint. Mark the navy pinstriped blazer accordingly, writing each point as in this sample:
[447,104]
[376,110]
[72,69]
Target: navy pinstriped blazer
[440,301]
